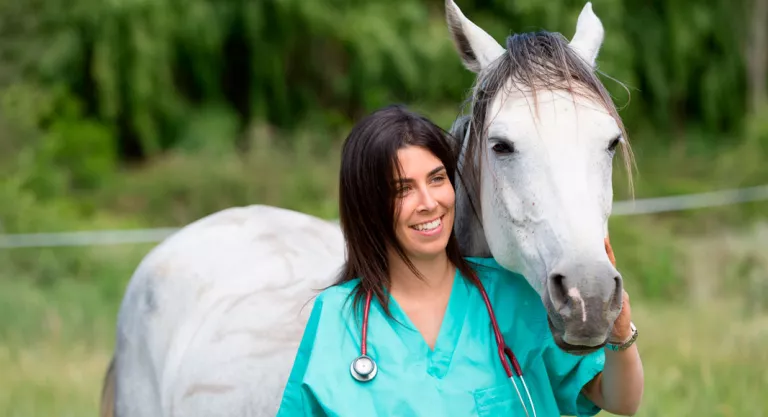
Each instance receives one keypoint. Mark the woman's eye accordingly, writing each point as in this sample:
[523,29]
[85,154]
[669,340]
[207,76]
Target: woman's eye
[438,179]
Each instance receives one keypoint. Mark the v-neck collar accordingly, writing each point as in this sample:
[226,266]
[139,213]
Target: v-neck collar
[439,358]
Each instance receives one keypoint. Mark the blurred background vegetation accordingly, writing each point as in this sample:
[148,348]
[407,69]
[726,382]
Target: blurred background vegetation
[143,113]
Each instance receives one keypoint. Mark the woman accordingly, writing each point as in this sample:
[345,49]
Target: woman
[427,319]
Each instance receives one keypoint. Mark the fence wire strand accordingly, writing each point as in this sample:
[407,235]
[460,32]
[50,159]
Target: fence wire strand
[620,208]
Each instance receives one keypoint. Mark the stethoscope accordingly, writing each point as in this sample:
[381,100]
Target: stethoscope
[364,368]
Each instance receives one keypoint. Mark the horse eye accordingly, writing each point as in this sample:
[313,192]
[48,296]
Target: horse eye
[614,144]
[503,148]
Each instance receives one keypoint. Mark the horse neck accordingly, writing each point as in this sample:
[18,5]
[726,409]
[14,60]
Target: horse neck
[468,228]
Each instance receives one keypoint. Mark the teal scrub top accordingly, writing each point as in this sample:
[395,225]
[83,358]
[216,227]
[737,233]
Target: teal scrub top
[462,376]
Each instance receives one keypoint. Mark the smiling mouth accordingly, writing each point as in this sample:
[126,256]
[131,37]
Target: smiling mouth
[428,226]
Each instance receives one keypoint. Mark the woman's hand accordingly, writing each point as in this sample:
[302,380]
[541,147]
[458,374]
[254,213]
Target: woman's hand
[621,327]
[619,388]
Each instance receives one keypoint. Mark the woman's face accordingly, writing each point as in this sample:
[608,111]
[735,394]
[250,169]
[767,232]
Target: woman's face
[425,198]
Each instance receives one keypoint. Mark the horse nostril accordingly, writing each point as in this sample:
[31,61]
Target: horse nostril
[557,291]
[618,292]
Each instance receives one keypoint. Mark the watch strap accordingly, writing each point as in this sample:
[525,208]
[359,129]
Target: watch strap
[618,347]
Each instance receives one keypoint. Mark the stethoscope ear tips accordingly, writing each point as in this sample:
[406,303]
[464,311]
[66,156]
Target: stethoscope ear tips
[363,368]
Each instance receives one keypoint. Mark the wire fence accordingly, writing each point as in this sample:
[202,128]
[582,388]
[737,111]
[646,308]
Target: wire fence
[620,208]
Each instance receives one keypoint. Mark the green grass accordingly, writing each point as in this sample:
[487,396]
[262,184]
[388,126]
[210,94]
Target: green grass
[51,378]
[699,360]
[702,360]
[703,350]
[55,338]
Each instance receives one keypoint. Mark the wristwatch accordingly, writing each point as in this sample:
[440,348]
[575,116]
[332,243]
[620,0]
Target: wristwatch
[618,347]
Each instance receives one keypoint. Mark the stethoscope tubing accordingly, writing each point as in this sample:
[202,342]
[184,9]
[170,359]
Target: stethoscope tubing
[504,351]
[363,345]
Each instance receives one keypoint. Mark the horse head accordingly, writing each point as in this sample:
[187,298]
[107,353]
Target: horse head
[537,160]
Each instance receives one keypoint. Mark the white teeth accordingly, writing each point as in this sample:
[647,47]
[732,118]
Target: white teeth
[425,227]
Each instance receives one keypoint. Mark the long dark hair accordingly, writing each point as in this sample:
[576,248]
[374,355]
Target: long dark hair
[367,196]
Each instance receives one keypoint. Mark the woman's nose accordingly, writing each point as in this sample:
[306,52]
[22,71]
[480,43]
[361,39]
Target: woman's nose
[428,202]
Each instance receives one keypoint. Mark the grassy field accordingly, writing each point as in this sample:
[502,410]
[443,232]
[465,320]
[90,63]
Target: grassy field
[700,360]
[56,337]
[698,280]
[704,354]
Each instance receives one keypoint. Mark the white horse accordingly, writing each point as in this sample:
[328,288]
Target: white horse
[212,317]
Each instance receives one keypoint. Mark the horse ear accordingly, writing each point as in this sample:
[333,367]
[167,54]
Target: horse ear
[476,47]
[589,35]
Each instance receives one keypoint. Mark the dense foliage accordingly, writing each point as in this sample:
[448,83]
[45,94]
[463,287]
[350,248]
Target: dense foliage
[135,77]
[89,87]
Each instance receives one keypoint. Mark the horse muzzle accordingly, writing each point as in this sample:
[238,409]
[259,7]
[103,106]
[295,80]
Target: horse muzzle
[582,301]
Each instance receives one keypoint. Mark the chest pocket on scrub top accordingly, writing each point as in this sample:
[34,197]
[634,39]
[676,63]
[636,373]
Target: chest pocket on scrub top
[498,400]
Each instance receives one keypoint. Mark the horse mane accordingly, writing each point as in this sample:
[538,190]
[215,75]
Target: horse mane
[533,61]
[467,223]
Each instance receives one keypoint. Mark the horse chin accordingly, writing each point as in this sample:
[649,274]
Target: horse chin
[577,350]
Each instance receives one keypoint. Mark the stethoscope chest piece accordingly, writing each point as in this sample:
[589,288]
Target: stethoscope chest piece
[363,368]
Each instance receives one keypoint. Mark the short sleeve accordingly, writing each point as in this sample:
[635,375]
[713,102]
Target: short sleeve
[568,374]
[298,399]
